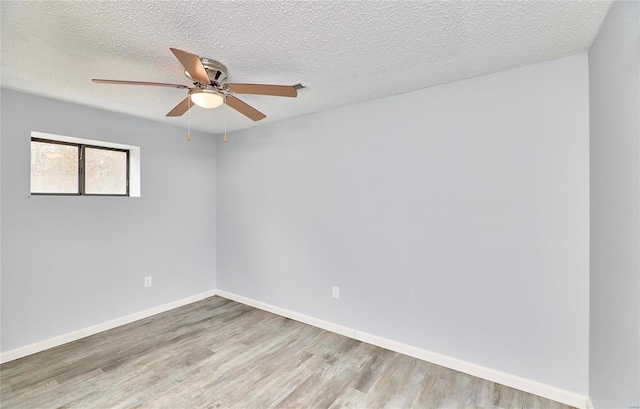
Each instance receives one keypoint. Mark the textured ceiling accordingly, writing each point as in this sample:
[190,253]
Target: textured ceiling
[346,51]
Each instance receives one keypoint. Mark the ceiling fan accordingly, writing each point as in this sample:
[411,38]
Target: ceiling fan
[210,89]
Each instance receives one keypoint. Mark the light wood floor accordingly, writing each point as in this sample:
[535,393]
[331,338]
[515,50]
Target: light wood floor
[217,353]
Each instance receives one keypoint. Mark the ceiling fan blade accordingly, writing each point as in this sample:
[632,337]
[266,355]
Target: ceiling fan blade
[244,108]
[181,108]
[192,64]
[153,84]
[263,89]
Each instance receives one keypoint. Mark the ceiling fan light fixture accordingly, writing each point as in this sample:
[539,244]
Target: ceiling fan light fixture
[206,98]
[211,89]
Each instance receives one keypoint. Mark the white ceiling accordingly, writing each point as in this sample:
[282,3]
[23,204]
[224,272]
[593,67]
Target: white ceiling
[347,51]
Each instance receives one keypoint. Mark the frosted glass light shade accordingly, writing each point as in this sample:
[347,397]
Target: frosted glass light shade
[206,99]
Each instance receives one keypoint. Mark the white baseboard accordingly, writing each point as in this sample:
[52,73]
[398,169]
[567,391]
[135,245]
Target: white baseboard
[589,404]
[85,332]
[560,395]
[547,391]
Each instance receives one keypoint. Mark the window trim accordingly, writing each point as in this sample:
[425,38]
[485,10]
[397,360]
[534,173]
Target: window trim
[133,161]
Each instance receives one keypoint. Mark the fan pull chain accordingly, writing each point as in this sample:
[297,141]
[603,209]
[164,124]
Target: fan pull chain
[189,119]
[225,119]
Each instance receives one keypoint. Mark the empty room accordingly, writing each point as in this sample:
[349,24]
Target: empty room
[320,204]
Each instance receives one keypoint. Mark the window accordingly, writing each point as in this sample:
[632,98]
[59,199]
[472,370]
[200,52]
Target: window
[106,171]
[68,168]
[54,168]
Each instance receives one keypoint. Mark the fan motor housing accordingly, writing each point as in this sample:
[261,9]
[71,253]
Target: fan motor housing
[216,71]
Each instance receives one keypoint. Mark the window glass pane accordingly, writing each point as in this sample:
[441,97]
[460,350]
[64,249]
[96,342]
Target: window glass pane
[105,172]
[54,168]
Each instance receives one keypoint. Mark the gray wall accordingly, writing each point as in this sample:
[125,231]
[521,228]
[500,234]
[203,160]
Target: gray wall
[454,218]
[72,262]
[614,79]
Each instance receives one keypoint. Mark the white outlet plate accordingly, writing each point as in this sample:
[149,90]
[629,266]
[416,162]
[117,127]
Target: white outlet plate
[147,281]
[336,292]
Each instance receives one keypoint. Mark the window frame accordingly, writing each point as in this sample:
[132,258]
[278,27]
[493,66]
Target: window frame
[82,171]
[79,181]
[81,167]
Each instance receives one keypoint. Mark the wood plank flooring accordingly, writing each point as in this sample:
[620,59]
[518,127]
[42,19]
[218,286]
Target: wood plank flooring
[217,353]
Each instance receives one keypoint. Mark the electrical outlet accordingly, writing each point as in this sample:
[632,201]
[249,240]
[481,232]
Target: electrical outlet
[336,292]
[147,281]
